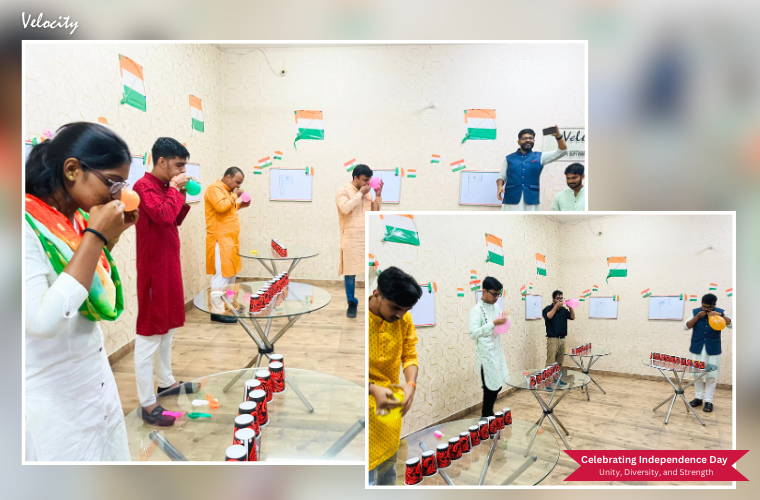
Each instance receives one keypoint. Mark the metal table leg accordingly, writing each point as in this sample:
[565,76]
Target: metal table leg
[488,459]
[678,391]
[548,412]
[585,370]
[519,470]
[346,438]
[271,271]
[441,472]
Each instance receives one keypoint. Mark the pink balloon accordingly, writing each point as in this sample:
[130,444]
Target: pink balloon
[502,329]
[374,182]
[572,303]
[245,197]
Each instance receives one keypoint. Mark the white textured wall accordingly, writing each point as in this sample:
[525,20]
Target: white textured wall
[665,253]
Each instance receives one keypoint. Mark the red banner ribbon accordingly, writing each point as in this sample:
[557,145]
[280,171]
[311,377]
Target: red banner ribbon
[657,465]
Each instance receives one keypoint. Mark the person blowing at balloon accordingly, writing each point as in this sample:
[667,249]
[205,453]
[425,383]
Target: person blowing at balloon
[706,323]
[487,323]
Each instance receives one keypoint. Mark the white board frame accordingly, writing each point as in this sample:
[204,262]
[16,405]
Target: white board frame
[419,303]
[396,202]
[540,316]
[666,319]
[461,181]
[574,154]
[617,303]
[302,171]
[499,302]
[138,163]
[193,170]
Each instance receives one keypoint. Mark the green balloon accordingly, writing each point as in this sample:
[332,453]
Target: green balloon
[193,187]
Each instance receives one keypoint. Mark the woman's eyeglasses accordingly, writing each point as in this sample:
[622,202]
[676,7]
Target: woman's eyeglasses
[113,186]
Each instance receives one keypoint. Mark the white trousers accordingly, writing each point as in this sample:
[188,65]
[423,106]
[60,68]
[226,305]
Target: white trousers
[705,390]
[219,281]
[145,348]
[520,207]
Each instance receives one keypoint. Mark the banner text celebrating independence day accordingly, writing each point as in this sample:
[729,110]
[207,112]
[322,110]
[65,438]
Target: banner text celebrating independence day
[656,465]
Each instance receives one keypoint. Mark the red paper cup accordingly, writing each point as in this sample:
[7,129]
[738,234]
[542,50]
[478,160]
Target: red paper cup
[474,435]
[247,439]
[243,422]
[455,451]
[507,416]
[499,420]
[464,442]
[413,472]
[492,428]
[264,377]
[250,385]
[235,453]
[249,408]
[442,456]
[483,426]
[260,398]
[427,463]
[278,377]
[278,358]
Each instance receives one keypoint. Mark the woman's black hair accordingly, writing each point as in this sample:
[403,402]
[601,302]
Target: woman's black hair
[399,287]
[93,144]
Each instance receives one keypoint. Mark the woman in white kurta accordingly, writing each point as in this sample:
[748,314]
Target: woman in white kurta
[72,409]
[492,365]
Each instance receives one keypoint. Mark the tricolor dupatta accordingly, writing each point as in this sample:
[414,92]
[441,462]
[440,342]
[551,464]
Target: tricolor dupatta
[60,239]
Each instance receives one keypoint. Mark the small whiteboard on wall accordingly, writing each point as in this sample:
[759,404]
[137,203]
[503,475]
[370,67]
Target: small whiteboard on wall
[479,295]
[603,308]
[27,149]
[423,312]
[478,188]
[289,184]
[391,185]
[192,170]
[666,307]
[575,138]
[533,307]
[136,170]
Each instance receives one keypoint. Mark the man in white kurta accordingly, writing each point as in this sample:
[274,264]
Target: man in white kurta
[492,364]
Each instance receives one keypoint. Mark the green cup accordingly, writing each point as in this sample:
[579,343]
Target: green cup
[193,187]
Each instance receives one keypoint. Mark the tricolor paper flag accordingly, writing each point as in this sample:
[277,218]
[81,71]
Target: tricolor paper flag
[372,261]
[460,292]
[481,124]
[400,229]
[683,296]
[474,285]
[713,286]
[530,286]
[523,290]
[616,298]
[581,299]
[256,170]
[646,293]
[595,288]
[458,165]
[618,267]
[309,170]
[265,162]
[411,174]
[196,114]
[134,83]
[399,171]
[730,292]
[473,275]
[278,155]
[435,159]
[586,293]
[540,264]
[495,250]
[432,286]
[146,158]
[692,298]
[350,165]
[309,125]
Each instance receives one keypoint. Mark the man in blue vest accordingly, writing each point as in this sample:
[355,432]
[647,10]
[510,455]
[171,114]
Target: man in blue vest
[705,346]
[518,180]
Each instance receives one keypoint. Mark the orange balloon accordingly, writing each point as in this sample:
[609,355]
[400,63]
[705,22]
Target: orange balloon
[717,322]
[130,199]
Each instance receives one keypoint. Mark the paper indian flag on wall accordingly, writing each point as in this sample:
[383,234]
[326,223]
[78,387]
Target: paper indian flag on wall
[617,267]
[400,229]
[646,293]
[134,83]
[540,264]
[474,285]
[309,125]
[265,162]
[278,155]
[350,164]
[196,113]
[460,292]
[713,286]
[458,165]
[435,158]
[481,124]
[495,250]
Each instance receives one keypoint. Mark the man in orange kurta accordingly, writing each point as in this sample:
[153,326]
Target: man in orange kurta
[222,200]
[353,200]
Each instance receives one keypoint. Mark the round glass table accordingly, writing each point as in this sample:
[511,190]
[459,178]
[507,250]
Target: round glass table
[499,461]
[679,373]
[585,361]
[564,384]
[268,258]
[294,301]
[334,430]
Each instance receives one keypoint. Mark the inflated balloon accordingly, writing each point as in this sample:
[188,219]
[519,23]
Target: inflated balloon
[502,329]
[245,197]
[395,413]
[572,303]
[717,322]
[374,182]
[130,199]
[193,187]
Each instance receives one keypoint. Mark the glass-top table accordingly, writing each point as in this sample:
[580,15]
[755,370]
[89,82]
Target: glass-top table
[268,258]
[295,300]
[499,461]
[679,373]
[564,384]
[334,430]
[585,361]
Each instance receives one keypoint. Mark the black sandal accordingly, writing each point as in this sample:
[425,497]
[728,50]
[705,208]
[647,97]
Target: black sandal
[157,417]
[708,408]
[188,387]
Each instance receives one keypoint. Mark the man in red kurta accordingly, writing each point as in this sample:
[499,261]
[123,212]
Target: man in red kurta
[160,294]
